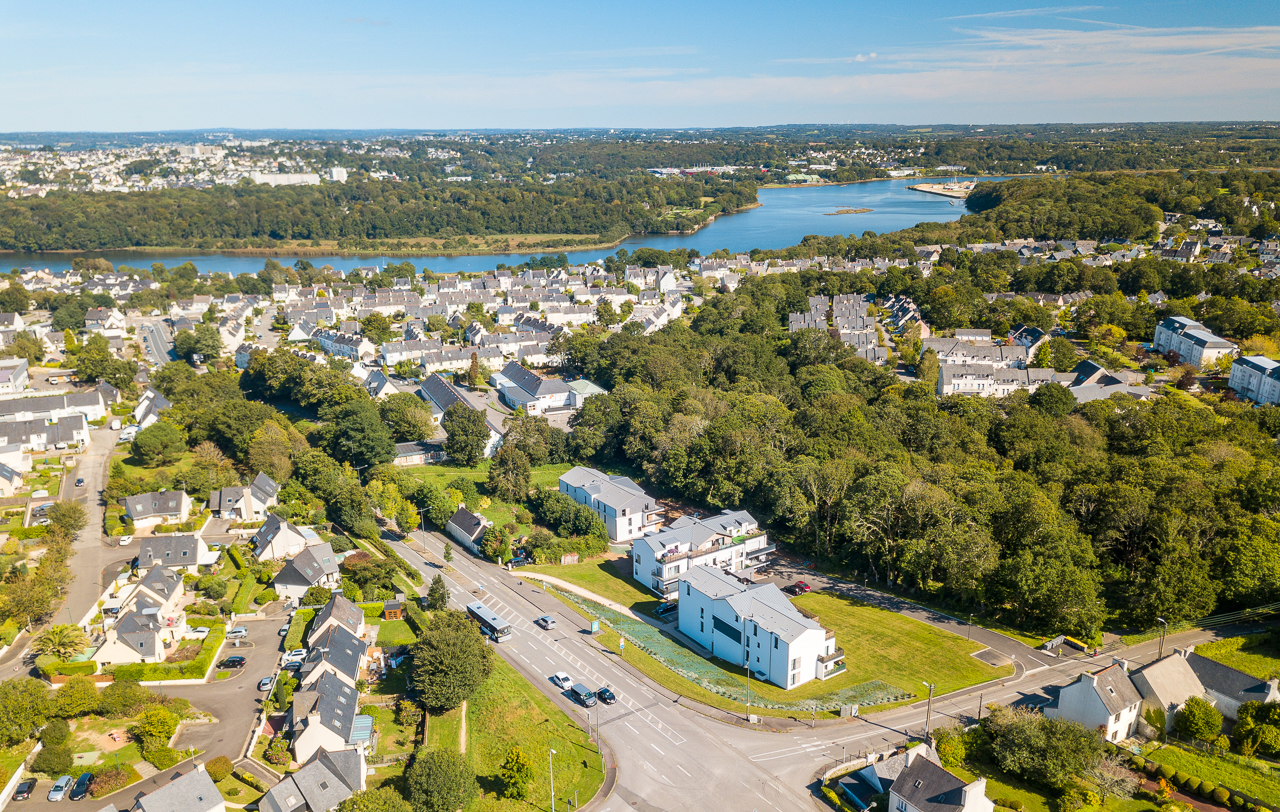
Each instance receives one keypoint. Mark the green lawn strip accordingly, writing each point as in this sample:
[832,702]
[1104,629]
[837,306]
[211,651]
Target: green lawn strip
[246,795]
[12,757]
[397,682]
[395,633]
[1001,785]
[1220,771]
[1254,654]
[134,467]
[443,730]
[384,774]
[606,578]
[245,595]
[392,737]
[508,710]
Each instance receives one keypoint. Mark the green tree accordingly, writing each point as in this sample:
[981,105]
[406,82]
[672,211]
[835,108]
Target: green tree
[159,444]
[376,327]
[1053,399]
[606,315]
[53,761]
[155,726]
[516,773]
[509,475]
[203,340]
[25,345]
[1198,720]
[316,596]
[407,417]
[63,641]
[69,516]
[448,552]
[14,299]
[219,768]
[410,715]
[271,452]
[358,435]
[382,799]
[94,362]
[77,696]
[24,708]
[467,434]
[437,594]
[451,660]
[440,781]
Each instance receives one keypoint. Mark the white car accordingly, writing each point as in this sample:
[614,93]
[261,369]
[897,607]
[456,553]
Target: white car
[195,632]
[295,656]
[238,633]
[562,680]
[125,540]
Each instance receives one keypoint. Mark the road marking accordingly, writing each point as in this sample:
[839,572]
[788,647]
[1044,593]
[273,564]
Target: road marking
[654,746]
[632,729]
[526,659]
[681,769]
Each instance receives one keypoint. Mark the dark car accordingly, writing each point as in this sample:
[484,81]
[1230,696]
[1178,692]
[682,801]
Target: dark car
[798,588]
[81,788]
[606,696]
[293,666]
[666,608]
[23,792]
[232,662]
[519,562]
[80,482]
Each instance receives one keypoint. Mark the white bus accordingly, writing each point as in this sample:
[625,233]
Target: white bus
[492,625]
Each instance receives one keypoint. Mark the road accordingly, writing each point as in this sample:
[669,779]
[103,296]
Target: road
[158,347]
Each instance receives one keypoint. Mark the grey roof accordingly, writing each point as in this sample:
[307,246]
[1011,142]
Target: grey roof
[51,403]
[1114,688]
[534,384]
[420,447]
[618,492]
[147,505]
[321,785]
[1226,680]
[273,527]
[8,474]
[341,610]
[309,566]
[441,392]
[338,647]
[1168,682]
[162,581]
[765,604]
[879,777]
[929,788]
[153,402]
[192,792]
[21,431]
[169,551]
[264,488]
[335,703]
[471,525]
[138,629]
[226,498]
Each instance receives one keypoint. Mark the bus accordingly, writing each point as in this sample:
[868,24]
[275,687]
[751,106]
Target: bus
[492,625]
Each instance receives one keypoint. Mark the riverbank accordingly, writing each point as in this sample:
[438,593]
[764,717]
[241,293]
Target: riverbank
[957,191]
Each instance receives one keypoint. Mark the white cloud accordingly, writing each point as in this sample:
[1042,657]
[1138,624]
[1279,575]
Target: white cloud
[1027,12]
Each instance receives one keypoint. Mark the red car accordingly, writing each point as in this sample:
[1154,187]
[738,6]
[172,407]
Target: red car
[798,588]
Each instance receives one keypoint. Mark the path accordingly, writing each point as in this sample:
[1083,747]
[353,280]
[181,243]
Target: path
[589,595]
[462,730]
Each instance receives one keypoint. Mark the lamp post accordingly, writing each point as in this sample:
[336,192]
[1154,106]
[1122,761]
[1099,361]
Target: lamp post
[1164,628]
[747,643]
[552,768]
[968,634]
[928,714]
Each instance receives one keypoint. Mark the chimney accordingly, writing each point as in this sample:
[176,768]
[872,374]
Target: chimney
[978,789]
[1124,664]
[911,754]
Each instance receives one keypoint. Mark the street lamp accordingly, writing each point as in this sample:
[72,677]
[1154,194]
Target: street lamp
[928,714]
[552,767]
[747,642]
[1164,628]
[968,634]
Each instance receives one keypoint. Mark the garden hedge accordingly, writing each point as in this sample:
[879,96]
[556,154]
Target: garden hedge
[240,604]
[236,558]
[1180,778]
[1010,803]
[412,574]
[293,639]
[194,669]
[88,667]
[162,758]
[202,622]
[372,610]
[1221,795]
[1193,785]
[414,616]
[1165,771]
[1207,789]
[1138,763]
[836,801]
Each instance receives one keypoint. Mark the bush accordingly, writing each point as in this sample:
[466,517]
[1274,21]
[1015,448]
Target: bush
[1237,801]
[1221,795]
[86,668]
[412,574]
[297,626]
[1165,771]
[55,733]
[266,596]
[212,587]
[835,800]
[233,792]
[252,780]
[1138,763]
[195,669]
[1193,785]
[204,608]
[1180,778]
[52,761]
[162,758]
[1207,789]
[237,557]
[1010,803]
[219,768]
[112,779]
[277,752]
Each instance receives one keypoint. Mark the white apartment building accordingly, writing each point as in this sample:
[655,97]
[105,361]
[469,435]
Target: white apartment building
[628,512]
[1191,340]
[731,541]
[1256,377]
[990,381]
[755,625]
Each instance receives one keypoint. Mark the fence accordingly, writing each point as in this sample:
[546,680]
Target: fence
[1213,621]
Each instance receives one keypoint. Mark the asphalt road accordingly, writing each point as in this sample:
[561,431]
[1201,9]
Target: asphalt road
[158,346]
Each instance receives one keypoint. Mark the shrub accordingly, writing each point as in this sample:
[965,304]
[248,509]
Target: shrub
[265,596]
[1138,763]
[55,733]
[52,761]
[162,758]
[1180,778]
[1237,801]
[233,792]
[1221,795]
[277,752]
[108,781]
[999,808]
[1207,789]
[1192,785]
[212,587]
[251,780]
[70,669]
[204,608]
[1165,771]
[219,768]
[1109,748]
[1010,803]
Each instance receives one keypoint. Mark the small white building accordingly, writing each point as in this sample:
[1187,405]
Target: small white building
[315,566]
[754,625]
[522,389]
[627,511]
[278,538]
[162,507]
[1105,701]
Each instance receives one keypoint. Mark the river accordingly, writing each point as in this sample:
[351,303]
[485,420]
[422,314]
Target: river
[783,218]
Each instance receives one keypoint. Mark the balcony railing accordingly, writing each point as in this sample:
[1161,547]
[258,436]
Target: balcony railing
[834,655]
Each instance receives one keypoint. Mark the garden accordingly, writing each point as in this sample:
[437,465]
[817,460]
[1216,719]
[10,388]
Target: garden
[1254,654]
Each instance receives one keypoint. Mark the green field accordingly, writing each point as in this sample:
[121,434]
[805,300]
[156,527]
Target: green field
[609,578]
[395,633]
[1255,654]
[498,512]
[1220,771]
[444,730]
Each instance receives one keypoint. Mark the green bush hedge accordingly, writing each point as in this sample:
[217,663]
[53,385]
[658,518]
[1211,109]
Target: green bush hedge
[202,622]
[195,669]
[28,533]
[1220,795]
[1180,778]
[301,618]
[162,758]
[1193,785]
[1165,771]
[414,616]
[836,801]
[236,558]
[1010,803]
[372,610]
[412,574]
[70,669]
[1207,789]
[1138,763]
[240,604]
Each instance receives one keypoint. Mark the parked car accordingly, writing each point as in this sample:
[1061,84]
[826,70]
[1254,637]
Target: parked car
[238,633]
[232,662]
[547,622]
[583,695]
[561,680]
[23,792]
[666,608]
[79,482]
[519,562]
[195,632]
[81,788]
[60,787]
[264,684]
[292,666]
[297,655]
[606,696]
[798,588]
[284,630]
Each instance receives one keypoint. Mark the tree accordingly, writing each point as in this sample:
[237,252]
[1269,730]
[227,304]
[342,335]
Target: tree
[159,444]
[1111,776]
[124,698]
[382,799]
[76,697]
[94,362]
[451,660]
[68,516]
[358,435]
[1198,720]
[473,372]
[219,768]
[53,761]
[155,726]
[14,299]
[467,434]
[1057,353]
[25,345]
[270,452]
[376,327]
[316,596]
[509,475]
[448,552]
[203,340]
[410,714]
[63,641]
[516,773]
[928,368]
[24,708]
[407,417]
[440,781]
[437,594]
[56,732]
[606,315]
[1053,399]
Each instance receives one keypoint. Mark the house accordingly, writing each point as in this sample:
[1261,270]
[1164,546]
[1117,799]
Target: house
[149,407]
[245,503]
[989,381]
[1092,381]
[627,511]
[1167,684]
[91,405]
[10,481]
[877,777]
[731,541]
[149,620]
[338,612]
[974,351]
[532,392]
[323,783]
[14,377]
[41,434]
[334,651]
[466,528]
[1104,700]
[344,345]
[315,566]
[301,331]
[1191,340]
[1228,687]
[193,791]
[439,394]
[278,538]
[924,786]
[379,385]
[181,552]
[419,452]
[754,625]
[104,320]
[163,507]
[582,389]
[325,717]
[1256,377]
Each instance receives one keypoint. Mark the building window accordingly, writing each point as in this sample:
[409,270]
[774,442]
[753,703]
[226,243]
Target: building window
[795,663]
[902,805]
[702,626]
[793,679]
[775,641]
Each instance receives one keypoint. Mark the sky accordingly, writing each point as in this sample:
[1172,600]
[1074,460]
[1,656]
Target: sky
[423,64]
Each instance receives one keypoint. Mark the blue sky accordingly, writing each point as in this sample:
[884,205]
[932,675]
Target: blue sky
[425,64]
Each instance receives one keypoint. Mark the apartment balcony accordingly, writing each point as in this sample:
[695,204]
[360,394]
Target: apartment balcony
[836,654]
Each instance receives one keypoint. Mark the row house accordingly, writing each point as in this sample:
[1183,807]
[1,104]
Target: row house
[149,620]
[957,351]
[453,358]
[989,381]
[345,345]
[393,352]
[1191,340]
[1256,377]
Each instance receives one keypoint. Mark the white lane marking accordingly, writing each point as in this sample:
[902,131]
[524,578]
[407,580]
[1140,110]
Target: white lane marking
[681,769]
[632,729]
[655,747]
[526,659]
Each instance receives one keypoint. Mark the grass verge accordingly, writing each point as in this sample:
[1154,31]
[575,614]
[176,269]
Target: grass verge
[1220,771]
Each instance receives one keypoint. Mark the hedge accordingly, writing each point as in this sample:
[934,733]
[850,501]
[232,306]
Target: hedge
[1010,803]
[1221,795]
[28,533]
[202,622]
[1137,763]
[194,669]
[1193,785]
[162,758]
[414,617]
[1180,778]
[836,801]
[236,558]
[1165,771]
[301,618]
[240,603]
[391,555]
[372,610]
[88,667]
[1207,788]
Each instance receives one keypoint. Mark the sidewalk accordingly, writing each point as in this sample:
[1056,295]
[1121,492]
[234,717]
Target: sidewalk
[584,593]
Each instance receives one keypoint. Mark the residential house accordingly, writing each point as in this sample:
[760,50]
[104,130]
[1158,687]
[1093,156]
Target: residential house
[466,528]
[523,389]
[1228,687]
[245,503]
[10,481]
[91,405]
[924,786]
[439,394]
[989,381]
[754,625]
[149,407]
[731,541]
[1256,377]
[1191,340]
[315,566]
[302,331]
[976,351]
[180,552]
[14,377]
[1165,686]
[379,386]
[877,777]
[163,507]
[325,716]
[627,511]
[419,452]
[321,785]
[344,345]
[192,791]
[105,320]
[149,620]
[334,651]
[41,434]
[279,538]
[1105,700]
[1028,337]
[337,613]
[582,389]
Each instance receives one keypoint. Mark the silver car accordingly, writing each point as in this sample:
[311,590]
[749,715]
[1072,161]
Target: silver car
[60,787]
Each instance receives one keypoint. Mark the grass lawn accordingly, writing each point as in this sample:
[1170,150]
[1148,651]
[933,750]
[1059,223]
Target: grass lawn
[1220,771]
[395,633]
[507,711]
[1000,785]
[443,730]
[386,774]
[12,757]
[607,577]
[393,739]
[245,794]
[1256,654]
[397,682]
[498,512]
[134,466]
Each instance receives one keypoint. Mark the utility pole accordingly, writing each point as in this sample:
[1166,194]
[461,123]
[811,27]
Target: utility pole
[552,768]
[1164,628]
[979,707]
[968,635]
[928,714]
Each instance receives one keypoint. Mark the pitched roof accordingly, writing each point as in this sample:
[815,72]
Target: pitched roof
[308,567]
[534,384]
[174,551]
[335,703]
[1114,688]
[263,487]
[1226,680]
[318,787]
[146,505]
[191,792]
[928,787]
[337,647]
[162,581]
[471,525]
[764,603]
[342,611]
[1169,681]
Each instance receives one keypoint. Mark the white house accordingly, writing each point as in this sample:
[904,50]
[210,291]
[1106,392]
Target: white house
[535,394]
[325,717]
[315,566]
[149,407]
[1191,340]
[1105,701]
[320,786]
[182,552]
[193,791]
[924,786]
[628,512]
[245,503]
[1256,377]
[1230,688]
[163,507]
[1167,684]
[334,651]
[755,625]
[149,620]
[731,541]
[14,376]
[986,380]
[278,538]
